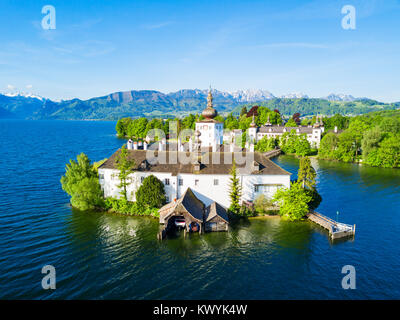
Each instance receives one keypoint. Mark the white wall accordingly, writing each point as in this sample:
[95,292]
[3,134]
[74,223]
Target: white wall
[205,189]
[271,182]
[314,139]
[210,132]
[110,183]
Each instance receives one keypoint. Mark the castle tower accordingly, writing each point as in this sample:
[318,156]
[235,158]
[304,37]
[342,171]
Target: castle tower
[268,122]
[252,131]
[211,131]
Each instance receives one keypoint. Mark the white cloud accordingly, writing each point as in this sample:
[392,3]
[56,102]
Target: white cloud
[157,25]
[10,87]
[29,86]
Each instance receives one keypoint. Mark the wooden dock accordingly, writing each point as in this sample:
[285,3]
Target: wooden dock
[336,230]
[272,153]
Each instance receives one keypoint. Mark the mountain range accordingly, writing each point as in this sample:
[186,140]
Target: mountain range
[151,103]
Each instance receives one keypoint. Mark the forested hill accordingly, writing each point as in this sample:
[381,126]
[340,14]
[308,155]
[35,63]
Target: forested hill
[149,103]
[323,107]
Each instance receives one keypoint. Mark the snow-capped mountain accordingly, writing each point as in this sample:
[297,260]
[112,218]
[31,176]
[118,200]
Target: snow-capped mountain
[23,94]
[251,95]
[137,103]
[294,95]
[339,97]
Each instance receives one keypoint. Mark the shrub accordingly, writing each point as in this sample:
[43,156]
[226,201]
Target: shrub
[82,184]
[151,194]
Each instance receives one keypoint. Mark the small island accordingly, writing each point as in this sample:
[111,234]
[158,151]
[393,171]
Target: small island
[226,174]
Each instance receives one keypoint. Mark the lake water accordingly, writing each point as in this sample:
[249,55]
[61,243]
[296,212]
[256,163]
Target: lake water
[104,256]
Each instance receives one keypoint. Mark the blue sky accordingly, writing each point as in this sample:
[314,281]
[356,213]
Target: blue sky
[100,47]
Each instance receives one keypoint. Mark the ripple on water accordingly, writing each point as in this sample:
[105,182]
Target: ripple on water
[98,255]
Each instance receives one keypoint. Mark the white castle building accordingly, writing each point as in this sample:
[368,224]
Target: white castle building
[312,133]
[206,173]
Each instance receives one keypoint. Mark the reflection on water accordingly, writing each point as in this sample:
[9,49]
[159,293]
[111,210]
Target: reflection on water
[105,256]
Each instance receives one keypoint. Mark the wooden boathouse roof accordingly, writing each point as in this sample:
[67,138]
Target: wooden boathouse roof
[188,202]
[215,210]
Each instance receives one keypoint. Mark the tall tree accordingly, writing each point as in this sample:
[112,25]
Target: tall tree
[124,165]
[243,111]
[306,174]
[293,202]
[82,184]
[370,141]
[235,190]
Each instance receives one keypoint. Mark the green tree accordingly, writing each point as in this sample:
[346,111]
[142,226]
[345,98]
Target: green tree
[302,146]
[122,127]
[391,125]
[388,153]
[293,202]
[235,190]
[137,128]
[82,184]
[243,111]
[153,124]
[306,174]
[189,122]
[125,166]
[328,146]
[337,120]
[370,141]
[231,122]
[348,146]
[266,144]
[151,194]
[291,123]
[292,143]
[244,122]
[262,205]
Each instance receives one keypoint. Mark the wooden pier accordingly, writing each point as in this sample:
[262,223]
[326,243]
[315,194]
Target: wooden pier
[336,230]
[272,153]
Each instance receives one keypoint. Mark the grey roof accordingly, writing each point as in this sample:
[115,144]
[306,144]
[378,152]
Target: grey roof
[192,204]
[208,163]
[189,202]
[213,210]
[280,129]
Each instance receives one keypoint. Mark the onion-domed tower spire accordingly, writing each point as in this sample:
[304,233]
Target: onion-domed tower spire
[209,112]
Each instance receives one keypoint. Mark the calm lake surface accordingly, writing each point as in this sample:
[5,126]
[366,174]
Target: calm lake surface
[103,256]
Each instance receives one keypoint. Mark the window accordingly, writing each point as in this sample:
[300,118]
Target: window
[256,188]
[215,182]
[101,176]
[167,198]
[180,182]
[196,182]
[141,179]
[167,182]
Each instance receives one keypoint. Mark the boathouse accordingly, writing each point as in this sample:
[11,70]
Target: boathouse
[215,218]
[189,207]
[198,218]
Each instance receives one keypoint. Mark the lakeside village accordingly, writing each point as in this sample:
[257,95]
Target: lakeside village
[206,178]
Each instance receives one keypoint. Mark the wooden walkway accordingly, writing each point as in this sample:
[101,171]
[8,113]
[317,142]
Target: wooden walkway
[336,230]
[272,153]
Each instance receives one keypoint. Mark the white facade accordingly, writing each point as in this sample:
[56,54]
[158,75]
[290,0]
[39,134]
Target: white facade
[211,133]
[313,135]
[207,187]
